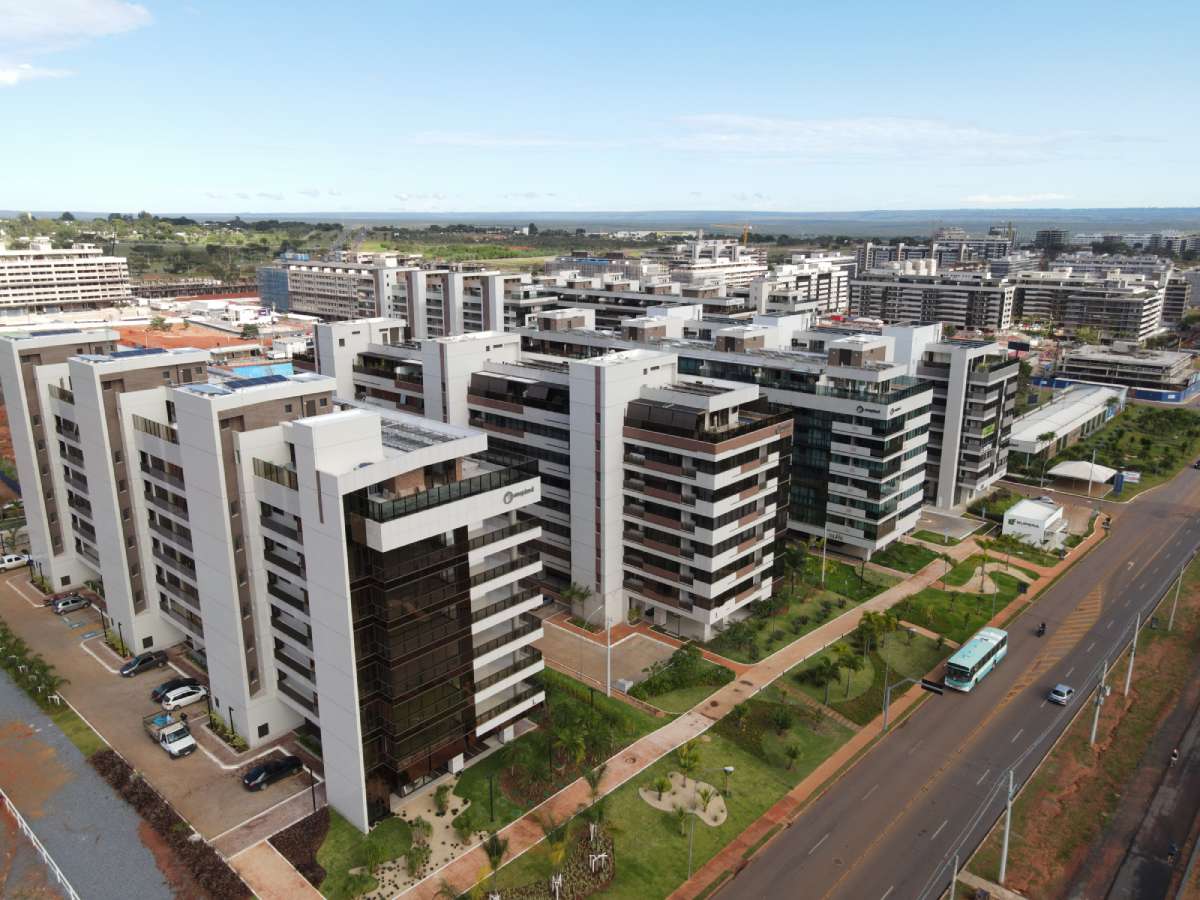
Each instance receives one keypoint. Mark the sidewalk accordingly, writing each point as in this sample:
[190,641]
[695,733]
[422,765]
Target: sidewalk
[270,876]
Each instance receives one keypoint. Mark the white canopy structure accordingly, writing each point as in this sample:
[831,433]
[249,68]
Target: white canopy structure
[1082,470]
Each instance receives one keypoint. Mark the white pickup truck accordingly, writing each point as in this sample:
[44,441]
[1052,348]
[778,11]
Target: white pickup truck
[169,733]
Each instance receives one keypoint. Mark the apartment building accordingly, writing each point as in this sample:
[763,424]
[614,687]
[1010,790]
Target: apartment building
[201,503]
[41,279]
[711,260]
[1118,306]
[1017,261]
[813,285]
[1051,239]
[340,290]
[1085,262]
[272,282]
[916,291]
[1166,375]
[613,299]
[583,263]
[974,397]
[1177,297]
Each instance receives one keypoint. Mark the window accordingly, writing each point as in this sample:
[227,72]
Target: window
[147,643]
[66,580]
[166,375]
[324,401]
[118,456]
[235,508]
[37,420]
[125,514]
[121,486]
[341,342]
[287,407]
[264,729]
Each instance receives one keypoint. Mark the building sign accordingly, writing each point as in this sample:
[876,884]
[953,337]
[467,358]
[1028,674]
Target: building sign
[1132,477]
[510,496]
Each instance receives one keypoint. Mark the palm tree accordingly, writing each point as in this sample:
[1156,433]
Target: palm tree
[496,849]
[681,816]
[593,776]
[705,795]
[688,757]
[793,561]
[889,622]
[661,784]
[792,752]
[824,673]
[850,661]
[556,841]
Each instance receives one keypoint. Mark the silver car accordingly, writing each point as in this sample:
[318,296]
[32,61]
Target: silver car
[70,603]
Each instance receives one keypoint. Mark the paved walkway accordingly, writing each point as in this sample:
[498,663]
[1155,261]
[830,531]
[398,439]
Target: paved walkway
[993,889]
[270,876]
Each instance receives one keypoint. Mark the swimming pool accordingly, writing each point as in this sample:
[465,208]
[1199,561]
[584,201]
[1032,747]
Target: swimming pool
[258,371]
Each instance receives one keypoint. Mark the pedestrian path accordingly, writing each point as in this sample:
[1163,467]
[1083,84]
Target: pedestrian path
[270,876]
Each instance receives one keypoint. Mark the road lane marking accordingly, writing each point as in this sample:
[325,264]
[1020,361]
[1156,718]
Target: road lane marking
[914,747]
[1017,735]
[1069,671]
[1109,625]
[1043,703]
[981,777]
[88,651]
[887,893]
[870,792]
[819,843]
[933,837]
[1089,647]
[16,585]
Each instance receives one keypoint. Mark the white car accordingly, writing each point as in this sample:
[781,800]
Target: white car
[13,561]
[184,696]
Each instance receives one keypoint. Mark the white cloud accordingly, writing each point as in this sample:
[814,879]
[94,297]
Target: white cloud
[263,195]
[12,75]
[311,192]
[529,195]
[864,138]
[46,23]
[1014,198]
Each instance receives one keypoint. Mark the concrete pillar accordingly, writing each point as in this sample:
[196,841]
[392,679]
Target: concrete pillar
[456,764]
[507,733]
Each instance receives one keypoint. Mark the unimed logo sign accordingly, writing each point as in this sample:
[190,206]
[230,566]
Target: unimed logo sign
[510,496]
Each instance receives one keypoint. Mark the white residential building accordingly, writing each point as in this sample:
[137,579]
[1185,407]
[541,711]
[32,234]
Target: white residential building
[41,279]
[916,291]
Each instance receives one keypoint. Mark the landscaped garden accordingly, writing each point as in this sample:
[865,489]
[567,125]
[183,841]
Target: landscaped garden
[680,682]
[1007,545]
[905,557]
[958,614]
[1154,441]
[995,504]
[799,605]
[580,728]
[849,674]
[964,571]
[771,747]
[932,537]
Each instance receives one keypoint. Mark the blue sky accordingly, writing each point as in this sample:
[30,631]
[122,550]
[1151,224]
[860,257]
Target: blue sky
[270,107]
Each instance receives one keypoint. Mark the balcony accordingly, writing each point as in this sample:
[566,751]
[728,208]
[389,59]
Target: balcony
[179,563]
[188,621]
[301,637]
[275,589]
[281,475]
[78,482]
[486,612]
[163,476]
[528,625]
[60,393]
[530,695]
[387,509]
[170,534]
[309,703]
[525,658]
[168,506]
[156,429]
[277,559]
[88,553]
[180,591]
[280,528]
[304,670]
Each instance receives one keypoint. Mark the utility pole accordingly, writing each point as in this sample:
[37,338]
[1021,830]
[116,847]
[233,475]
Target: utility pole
[954,878]
[1175,602]
[1091,473]
[1007,826]
[1099,703]
[1137,624]
[824,544]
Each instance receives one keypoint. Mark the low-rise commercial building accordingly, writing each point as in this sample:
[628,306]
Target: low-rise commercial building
[1165,375]
[1072,414]
[1037,522]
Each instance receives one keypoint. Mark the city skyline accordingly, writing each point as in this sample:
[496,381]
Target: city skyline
[784,111]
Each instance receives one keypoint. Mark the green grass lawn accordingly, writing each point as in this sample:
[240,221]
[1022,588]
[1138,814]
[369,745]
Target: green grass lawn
[900,654]
[1154,441]
[905,557]
[808,606]
[345,848]
[77,731]
[957,614]
[1010,546]
[932,537]
[962,572]
[651,854]
[566,697]
[682,699]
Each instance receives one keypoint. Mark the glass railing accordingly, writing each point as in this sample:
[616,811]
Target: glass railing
[276,473]
[292,600]
[501,605]
[529,624]
[516,700]
[527,657]
[156,429]
[60,393]
[381,510]
[309,703]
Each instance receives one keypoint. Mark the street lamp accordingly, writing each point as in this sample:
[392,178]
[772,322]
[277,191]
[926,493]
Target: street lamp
[728,770]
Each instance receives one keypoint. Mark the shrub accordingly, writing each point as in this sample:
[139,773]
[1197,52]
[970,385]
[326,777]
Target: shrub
[685,668]
[440,799]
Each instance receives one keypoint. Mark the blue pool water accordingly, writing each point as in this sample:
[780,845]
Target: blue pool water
[258,371]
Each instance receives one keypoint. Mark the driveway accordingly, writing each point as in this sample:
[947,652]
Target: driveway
[203,788]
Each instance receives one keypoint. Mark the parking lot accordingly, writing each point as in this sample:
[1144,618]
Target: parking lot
[204,787]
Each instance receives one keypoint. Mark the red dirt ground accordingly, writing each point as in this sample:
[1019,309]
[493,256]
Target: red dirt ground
[29,769]
[31,882]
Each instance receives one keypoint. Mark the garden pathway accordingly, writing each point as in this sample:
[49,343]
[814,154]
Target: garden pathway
[270,876]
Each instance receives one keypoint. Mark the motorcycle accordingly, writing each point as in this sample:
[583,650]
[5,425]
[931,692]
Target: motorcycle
[1041,629]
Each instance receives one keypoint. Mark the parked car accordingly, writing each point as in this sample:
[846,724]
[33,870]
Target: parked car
[69,603]
[1061,694]
[271,771]
[13,561]
[167,686]
[184,696]
[144,662]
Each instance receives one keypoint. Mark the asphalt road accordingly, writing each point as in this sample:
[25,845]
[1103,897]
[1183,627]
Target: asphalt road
[890,828]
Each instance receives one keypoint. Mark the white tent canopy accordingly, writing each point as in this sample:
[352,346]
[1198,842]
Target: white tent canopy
[1082,470]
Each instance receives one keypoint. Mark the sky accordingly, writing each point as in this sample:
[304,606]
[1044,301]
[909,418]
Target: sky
[213,106]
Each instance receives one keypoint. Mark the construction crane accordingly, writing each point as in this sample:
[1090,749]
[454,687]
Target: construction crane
[745,231]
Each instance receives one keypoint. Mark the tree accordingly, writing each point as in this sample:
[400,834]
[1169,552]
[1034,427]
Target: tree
[1086,334]
[577,596]
[249,332]
[593,776]
[533,229]
[792,752]
[681,817]
[824,673]
[793,561]
[496,849]
[662,784]
[705,795]
[66,217]
[781,719]
[688,757]
[158,323]
[847,659]
[556,841]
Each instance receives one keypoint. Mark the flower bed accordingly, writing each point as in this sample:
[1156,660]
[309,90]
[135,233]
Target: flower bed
[578,880]
[210,872]
[299,843]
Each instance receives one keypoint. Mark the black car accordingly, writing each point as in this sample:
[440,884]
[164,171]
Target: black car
[144,662]
[270,772]
[167,686]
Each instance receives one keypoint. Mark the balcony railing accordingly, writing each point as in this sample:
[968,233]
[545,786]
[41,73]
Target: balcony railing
[163,475]
[280,594]
[501,708]
[529,624]
[276,473]
[501,605]
[171,534]
[186,619]
[381,510]
[60,393]
[181,591]
[524,660]
[279,625]
[309,703]
[87,553]
[285,564]
[291,662]
[279,528]
[166,505]
[187,566]
[156,429]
